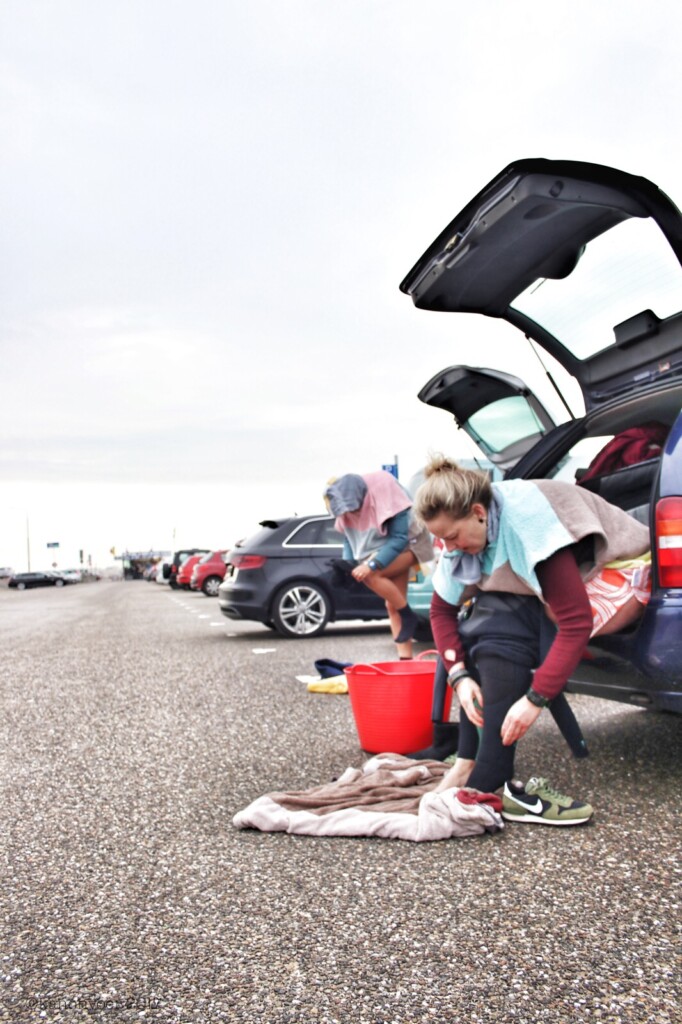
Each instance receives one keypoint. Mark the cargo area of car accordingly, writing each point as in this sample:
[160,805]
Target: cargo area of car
[608,668]
[631,484]
[628,488]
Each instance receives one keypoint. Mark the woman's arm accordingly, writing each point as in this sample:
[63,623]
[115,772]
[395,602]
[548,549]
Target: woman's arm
[445,628]
[445,631]
[565,594]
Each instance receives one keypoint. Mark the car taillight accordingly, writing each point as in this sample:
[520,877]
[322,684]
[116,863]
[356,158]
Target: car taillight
[669,541]
[242,562]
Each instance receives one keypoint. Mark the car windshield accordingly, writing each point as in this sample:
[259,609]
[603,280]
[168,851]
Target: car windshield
[622,272]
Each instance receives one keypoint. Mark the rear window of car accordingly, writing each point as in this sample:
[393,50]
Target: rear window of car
[626,270]
[262,536]
[315,533]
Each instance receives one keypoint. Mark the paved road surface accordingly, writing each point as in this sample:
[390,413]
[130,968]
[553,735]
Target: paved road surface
[136,722]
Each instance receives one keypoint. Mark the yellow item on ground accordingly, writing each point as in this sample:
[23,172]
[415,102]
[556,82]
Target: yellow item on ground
[335,684]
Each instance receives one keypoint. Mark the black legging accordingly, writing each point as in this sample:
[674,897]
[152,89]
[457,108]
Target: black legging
[506,638]
[502,683]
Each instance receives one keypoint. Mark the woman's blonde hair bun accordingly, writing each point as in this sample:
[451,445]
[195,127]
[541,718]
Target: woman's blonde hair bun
[450,488]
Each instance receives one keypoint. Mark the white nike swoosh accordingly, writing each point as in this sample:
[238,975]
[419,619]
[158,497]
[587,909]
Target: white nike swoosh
[536,808]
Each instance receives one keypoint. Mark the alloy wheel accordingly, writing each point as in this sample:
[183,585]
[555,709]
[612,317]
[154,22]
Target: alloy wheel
[301,609]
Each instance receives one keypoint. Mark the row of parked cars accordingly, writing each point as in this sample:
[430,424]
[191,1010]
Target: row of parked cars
[282,576]
[285,577]
[191,569]
[584,262]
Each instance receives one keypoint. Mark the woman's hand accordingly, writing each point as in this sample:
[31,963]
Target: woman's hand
[518,721]
[361,572]
[470,697]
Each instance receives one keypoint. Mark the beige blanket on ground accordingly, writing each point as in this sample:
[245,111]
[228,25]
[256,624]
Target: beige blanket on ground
[390,797]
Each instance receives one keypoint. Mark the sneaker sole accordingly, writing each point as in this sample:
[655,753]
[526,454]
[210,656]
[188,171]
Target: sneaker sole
[535,819]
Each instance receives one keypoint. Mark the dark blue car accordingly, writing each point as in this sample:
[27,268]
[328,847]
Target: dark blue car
[584,262]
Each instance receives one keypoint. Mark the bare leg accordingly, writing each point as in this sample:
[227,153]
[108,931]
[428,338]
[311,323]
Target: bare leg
[391,584]
[457,776]
[405,649]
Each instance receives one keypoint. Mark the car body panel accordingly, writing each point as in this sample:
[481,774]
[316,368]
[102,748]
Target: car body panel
[184,574]
[670,480]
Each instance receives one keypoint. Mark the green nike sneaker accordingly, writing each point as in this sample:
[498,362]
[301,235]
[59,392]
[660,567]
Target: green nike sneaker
[539,803]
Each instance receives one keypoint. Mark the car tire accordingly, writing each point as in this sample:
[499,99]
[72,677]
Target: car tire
[21,586]
[210,586]
[300,609]
[59,583]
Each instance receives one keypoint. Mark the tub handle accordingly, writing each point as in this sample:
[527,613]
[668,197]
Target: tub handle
[425,654]
[374,670]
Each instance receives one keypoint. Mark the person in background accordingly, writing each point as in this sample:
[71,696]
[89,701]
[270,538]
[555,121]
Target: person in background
[552,565]
[382,542]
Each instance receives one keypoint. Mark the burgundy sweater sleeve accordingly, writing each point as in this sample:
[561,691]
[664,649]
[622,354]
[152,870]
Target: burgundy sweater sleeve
[445,629]
[565,594]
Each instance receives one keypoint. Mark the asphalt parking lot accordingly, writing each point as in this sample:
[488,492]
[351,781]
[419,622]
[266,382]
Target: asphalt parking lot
[136,722]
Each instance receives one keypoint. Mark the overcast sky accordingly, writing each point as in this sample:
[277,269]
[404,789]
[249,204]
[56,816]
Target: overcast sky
[207,209]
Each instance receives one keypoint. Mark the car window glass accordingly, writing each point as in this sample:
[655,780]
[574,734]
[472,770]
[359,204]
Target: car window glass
[262,536]
[503,423]
[305,535]
[329,534]
[622,272]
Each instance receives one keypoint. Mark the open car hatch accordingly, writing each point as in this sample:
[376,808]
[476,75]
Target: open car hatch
[583,259]
[498,411]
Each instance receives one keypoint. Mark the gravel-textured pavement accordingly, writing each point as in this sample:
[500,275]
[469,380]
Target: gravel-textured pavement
[136,722]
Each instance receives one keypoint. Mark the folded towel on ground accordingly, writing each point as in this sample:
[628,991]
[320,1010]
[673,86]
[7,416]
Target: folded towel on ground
[334,684]
[389,796]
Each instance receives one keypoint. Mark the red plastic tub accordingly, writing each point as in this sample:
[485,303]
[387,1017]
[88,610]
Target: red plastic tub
[392,702]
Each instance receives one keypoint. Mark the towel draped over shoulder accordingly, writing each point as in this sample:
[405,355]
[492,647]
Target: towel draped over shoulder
[538,518]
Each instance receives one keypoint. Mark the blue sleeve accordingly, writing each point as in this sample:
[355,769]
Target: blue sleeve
[397,530]
[347,550]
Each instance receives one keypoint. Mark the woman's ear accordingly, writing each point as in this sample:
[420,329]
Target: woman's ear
[480,511]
